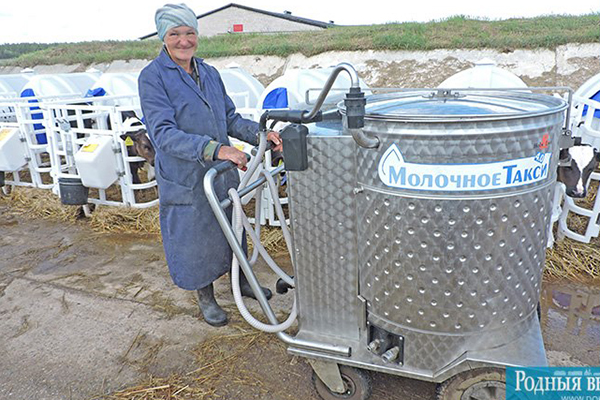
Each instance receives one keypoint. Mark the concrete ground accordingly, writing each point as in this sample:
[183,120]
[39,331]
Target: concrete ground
[87,314]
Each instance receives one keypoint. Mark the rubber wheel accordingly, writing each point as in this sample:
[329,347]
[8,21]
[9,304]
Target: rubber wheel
[476,384]
[357,383]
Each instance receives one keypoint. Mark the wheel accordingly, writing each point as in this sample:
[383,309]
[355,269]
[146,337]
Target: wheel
[476,384]
[357,384]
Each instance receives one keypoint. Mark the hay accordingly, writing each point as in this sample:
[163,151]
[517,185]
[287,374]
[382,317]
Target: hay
[271,238]
[568,260]
[574,261]
[125,220]
[221,359]
[44,204]
[36,203]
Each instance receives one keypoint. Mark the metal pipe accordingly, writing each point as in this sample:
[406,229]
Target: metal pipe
[310,345]
[339,68]
[234,244]
[227,202]
[363,140]
[227,229]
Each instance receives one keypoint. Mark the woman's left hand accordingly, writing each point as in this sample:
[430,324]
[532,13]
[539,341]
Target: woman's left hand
[274,137]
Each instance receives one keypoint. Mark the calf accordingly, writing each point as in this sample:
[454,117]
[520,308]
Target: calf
[576,165]
[141,147]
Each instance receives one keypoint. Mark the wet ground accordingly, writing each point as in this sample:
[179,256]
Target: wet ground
[87,314]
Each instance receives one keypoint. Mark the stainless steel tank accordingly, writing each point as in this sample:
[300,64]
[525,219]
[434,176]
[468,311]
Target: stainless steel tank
[424,255]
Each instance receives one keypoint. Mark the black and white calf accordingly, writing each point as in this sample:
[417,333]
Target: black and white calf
[140,146]
[576,165]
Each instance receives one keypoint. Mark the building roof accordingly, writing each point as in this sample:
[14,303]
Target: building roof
[284,15]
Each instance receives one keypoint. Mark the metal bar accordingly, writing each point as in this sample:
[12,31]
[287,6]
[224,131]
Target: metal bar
[343,351]
[227,202]
[321,99]
[233,243]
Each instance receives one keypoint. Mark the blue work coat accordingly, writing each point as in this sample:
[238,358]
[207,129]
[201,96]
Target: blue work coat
[181,119]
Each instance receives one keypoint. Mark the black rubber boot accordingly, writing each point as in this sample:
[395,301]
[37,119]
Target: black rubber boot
[247,290]
[212,312]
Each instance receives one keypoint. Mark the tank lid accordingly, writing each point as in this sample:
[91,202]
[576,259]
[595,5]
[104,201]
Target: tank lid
[445,105]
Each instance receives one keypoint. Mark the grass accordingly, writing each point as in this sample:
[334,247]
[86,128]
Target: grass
[452,33]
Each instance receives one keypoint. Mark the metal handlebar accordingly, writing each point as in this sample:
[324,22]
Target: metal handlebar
[321,99]
[218,209]
[226,165]
[270,146]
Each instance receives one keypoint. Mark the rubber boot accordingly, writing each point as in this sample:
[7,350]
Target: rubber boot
[247,290]
[212,312]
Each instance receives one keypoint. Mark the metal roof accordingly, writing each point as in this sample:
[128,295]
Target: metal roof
[287,16]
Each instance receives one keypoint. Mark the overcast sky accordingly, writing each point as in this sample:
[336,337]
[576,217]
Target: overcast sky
[49,21]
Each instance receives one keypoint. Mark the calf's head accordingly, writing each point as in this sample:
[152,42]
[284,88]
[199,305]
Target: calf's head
[578,164]
[141,145]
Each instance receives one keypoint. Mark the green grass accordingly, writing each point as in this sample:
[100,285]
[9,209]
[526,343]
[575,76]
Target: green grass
[452,33]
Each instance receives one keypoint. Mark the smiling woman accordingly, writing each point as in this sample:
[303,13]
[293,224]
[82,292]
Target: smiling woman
[189,118]
[181,43]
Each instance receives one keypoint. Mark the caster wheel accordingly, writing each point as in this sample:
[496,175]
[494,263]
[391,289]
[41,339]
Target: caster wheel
[357,385]
[477,384]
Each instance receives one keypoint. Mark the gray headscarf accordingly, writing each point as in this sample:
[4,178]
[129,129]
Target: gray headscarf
[174,15]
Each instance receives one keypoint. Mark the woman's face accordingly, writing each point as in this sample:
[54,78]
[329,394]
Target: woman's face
[181,43]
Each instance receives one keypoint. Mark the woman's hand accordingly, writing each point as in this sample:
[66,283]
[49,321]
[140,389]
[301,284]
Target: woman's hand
[274,137]
[232,154]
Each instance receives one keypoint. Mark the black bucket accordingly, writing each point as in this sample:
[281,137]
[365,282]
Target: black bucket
[1,178]
[72,192]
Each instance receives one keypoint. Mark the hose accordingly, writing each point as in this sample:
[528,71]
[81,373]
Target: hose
[257,204]
[255,162]
[278,209]
[239,221]
[265,254]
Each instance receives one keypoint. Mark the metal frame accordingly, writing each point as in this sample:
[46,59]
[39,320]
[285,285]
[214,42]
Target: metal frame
[593,227]
[587,128]
[37,155]
[66,140]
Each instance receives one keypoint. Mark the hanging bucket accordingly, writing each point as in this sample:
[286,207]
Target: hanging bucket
[72,192]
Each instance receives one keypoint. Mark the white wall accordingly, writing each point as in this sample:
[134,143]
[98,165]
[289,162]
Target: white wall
[223,21]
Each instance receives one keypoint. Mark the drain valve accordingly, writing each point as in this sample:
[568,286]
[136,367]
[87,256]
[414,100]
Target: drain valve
[391,355]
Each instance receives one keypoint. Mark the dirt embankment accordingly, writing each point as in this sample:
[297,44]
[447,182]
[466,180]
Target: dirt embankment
[569,65]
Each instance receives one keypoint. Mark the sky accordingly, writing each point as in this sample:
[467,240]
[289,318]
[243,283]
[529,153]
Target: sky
[51,21]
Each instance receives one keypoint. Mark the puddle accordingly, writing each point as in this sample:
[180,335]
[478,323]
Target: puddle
[571,320]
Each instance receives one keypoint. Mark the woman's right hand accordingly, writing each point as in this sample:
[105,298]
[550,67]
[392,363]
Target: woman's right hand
[232,154]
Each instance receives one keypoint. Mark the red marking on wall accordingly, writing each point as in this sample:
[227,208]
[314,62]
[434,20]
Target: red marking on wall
[238,27]
[545,142]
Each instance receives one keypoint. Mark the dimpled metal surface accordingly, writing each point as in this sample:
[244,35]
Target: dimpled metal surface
[324,227]
[454,266]
[450,272]
[444,269]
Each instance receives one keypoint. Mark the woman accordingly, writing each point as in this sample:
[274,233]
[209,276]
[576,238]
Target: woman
[188,117]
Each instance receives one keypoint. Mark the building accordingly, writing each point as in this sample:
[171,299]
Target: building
[236,18]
